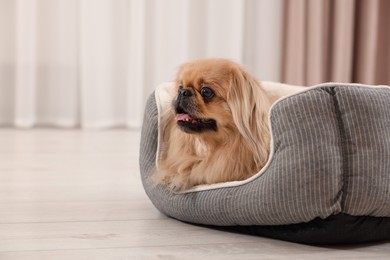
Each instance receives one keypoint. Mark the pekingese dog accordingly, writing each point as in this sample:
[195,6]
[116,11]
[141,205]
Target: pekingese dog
[217,129]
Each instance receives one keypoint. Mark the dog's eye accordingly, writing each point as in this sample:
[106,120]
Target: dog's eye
[207,93]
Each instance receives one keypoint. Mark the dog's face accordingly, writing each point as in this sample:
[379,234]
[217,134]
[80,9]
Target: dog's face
[201,104]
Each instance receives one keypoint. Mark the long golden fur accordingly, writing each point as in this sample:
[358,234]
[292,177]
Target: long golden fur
[217,129]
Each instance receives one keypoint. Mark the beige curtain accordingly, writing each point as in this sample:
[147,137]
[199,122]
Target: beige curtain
[336,40]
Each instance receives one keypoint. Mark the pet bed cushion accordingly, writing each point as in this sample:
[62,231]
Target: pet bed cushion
[327,180]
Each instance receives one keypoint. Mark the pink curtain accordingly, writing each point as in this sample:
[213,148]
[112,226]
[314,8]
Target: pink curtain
[336,40]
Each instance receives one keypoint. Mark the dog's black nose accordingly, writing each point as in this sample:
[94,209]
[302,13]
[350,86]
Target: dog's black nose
[185,92]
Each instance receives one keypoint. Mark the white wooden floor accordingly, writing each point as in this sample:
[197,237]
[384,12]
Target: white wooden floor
[72,194]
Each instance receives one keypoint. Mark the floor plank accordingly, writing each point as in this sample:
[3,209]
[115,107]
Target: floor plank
[245,251]
[108,234]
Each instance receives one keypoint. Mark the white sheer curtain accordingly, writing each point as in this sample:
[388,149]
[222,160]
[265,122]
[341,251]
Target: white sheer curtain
[92,63]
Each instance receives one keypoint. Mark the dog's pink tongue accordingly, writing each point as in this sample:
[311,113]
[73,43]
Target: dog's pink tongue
[182,117]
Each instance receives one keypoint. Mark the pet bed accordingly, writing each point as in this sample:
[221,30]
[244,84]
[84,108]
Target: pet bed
[327,180]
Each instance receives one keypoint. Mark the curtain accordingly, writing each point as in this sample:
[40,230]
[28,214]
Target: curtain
[336,40]
[93,63]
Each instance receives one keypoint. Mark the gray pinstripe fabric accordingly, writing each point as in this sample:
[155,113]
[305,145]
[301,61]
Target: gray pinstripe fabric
[331,155]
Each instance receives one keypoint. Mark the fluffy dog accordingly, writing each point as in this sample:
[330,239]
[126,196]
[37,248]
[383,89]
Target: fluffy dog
[217,129]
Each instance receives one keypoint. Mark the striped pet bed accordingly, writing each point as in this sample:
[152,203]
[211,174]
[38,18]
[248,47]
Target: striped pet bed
[327,180]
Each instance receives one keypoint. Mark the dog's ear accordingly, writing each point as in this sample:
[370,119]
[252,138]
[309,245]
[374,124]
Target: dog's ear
[250,105]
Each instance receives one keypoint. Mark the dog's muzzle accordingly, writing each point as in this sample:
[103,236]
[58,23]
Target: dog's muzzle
[184,114]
